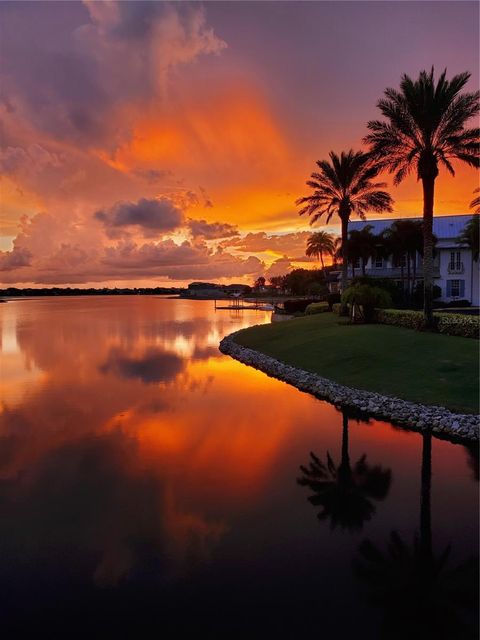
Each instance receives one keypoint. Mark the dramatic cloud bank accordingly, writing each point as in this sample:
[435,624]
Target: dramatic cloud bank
[151,216]
[154,142]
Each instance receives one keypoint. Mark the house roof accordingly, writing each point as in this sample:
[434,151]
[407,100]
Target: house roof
[444,227]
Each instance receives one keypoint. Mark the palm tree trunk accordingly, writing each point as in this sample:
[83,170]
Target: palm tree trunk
[343,308]
[323,266]
[428,197]
[345,456]
[409,279]
[414,265]
[425,506]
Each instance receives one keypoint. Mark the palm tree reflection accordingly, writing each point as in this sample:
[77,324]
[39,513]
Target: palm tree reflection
[422,596]
[345,493]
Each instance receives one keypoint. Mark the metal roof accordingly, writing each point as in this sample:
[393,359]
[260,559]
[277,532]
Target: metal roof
[444,227]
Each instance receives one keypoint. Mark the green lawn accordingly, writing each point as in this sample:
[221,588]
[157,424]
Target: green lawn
[422,367]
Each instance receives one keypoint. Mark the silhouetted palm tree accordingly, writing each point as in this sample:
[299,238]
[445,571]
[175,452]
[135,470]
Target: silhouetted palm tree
[337,251]
[470,235]
[342,186]
[425,127]
[345,493]
[421,596]
[362,244]
[475,203]
[318,244]
[405,239]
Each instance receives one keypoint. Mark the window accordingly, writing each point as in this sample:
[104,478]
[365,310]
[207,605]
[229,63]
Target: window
[378,263]
[455,288]
[455,261]
[356,263]
[401,261]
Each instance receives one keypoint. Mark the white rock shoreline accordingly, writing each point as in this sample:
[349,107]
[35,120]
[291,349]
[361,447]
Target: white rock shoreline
[417,417]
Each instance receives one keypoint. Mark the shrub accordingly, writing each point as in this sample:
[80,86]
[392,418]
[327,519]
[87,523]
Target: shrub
[336,307]
[317,307]
[295,306]
[368,297]
[445,323]
[333,298]
[458,325]
[395,290]
[401,318]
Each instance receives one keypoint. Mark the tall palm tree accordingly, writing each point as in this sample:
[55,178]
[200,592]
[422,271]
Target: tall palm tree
[342,186]
[424,127]
[405,239]
[318,244]
[345,493]
[363,243]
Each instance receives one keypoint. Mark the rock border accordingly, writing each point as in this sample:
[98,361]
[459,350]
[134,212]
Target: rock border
[417,417]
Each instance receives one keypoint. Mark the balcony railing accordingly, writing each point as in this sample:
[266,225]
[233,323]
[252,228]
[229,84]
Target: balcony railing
[456,267]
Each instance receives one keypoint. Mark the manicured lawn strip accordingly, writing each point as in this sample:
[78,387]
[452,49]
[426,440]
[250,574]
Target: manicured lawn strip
[421,367]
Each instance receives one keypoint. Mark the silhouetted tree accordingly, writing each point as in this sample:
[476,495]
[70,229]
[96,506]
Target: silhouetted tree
[470,236]
[362,244]
[425,127]
[475,203]
[345,493]
[318,244]
[342,186]
[404,238]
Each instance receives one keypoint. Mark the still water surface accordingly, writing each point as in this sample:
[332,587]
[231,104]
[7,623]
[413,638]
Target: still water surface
[152,487]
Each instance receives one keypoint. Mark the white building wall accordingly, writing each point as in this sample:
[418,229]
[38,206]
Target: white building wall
[462,276]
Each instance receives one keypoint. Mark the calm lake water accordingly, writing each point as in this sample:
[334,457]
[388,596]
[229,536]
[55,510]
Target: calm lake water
[152,487]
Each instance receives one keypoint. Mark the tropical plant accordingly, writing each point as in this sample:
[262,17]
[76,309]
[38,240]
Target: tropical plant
[318,244]
[424,127]
[403,240]
[470,235]
[342,186]
[337,251]
[344,493]
[368,297]
[475,203]
[362,244]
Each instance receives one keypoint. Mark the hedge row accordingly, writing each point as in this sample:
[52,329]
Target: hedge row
[446,323]
[317,307]
[454,324]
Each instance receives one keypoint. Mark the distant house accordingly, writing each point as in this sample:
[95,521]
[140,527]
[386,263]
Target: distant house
[455,270]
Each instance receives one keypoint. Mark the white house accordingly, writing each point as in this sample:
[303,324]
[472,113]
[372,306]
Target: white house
[455,270]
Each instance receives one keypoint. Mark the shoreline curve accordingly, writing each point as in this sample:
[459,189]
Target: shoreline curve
[417,417]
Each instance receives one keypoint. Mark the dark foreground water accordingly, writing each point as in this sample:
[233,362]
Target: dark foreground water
[152,488]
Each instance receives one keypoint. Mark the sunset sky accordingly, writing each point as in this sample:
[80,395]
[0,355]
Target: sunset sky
[156,144]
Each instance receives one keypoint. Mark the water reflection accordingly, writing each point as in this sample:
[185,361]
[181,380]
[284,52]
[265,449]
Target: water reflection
[345,493]
[144,476]
[420,593]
